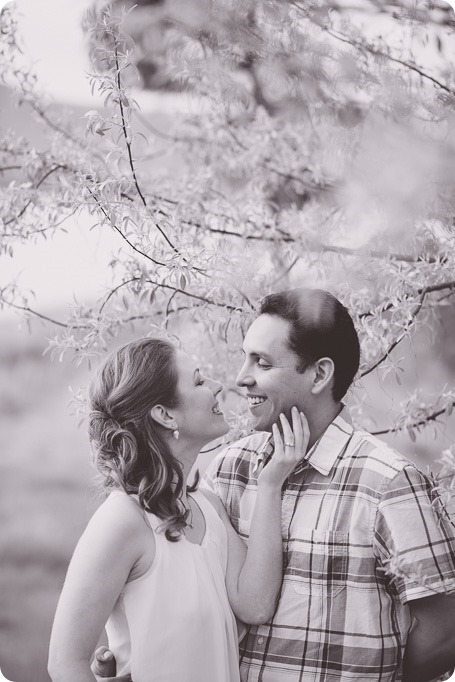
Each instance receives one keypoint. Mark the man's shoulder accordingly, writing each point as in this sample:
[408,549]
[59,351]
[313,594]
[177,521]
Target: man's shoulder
[240,453]
[379,457]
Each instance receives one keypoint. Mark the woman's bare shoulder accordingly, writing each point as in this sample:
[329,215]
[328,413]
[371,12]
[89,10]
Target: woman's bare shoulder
[122,514]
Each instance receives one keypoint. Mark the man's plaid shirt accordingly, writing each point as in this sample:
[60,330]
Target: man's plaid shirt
[362,535]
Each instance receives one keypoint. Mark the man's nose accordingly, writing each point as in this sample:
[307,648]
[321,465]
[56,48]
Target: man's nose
[244,377]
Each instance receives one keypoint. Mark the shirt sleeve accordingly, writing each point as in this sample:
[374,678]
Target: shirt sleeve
[209,479]
[414,537]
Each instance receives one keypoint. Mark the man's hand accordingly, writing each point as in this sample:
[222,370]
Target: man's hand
[104,666]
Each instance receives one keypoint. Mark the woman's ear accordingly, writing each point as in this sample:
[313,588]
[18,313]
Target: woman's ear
[324,370]
[162,417]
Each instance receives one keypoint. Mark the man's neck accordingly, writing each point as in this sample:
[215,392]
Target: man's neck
[321,419]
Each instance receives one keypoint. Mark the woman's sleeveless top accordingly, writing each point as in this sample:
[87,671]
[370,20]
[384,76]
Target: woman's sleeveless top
[174,623]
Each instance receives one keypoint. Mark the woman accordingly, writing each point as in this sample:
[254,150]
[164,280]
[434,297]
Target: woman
[159,561]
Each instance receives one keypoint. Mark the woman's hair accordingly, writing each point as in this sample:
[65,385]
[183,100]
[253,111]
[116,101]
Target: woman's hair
[129,446]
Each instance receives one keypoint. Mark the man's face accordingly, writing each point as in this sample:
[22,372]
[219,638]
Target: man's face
[269,373]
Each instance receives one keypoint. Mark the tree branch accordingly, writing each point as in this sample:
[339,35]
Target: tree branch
[128,146]
[141,253]
[429,289]
[231,308]
[422,422]
[283,174]
[114,291]
[286,271]
[22,211]
[424,292]
[36,314]
[372,50]
[342,250]
[176,290]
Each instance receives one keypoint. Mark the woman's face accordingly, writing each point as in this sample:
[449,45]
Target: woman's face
[199,416]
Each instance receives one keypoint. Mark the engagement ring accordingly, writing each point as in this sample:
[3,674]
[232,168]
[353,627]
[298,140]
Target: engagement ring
[289,445]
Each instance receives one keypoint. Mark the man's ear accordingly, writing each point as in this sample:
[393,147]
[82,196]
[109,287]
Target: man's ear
[324,369]
[162,417]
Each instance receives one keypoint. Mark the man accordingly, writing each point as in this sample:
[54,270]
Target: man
[369,554]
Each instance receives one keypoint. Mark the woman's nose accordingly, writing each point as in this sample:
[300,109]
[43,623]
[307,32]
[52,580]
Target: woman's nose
[217,387]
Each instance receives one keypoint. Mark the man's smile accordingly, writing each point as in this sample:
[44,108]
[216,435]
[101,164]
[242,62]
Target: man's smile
[255,400]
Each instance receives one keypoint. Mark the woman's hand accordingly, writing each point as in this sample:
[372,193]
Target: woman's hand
[289,449]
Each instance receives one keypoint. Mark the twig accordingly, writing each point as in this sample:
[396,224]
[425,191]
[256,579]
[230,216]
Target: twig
[415,312]
[36,314]
[114,291]
[342,250]
[128,146]
[24,208]
[415,425]
[286,271]
[176,290]
[142,253]
[429,289]
[283,174]
[369,48]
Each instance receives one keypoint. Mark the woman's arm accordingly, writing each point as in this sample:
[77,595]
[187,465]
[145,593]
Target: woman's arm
[254,577]
[102,562]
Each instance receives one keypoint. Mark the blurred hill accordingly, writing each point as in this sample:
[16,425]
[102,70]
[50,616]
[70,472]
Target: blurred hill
[46,497]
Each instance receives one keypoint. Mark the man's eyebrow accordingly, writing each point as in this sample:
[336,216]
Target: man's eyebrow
[264,356]
[259,354]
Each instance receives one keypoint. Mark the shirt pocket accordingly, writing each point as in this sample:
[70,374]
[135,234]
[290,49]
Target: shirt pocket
[318,562]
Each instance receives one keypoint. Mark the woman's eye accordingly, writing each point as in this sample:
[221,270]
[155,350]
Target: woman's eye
[200,382]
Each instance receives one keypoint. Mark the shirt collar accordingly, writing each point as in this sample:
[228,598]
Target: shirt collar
[324,453]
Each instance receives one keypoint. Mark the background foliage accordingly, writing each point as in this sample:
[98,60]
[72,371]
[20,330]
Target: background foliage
[317,148]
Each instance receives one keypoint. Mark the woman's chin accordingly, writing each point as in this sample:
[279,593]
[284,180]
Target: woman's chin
[224,429]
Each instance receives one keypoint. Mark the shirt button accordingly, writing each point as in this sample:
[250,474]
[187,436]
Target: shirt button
[260,640]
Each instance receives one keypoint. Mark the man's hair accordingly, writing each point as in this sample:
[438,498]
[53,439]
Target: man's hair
[320,327]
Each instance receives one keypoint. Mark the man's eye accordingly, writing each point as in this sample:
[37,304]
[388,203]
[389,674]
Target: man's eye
[263,364]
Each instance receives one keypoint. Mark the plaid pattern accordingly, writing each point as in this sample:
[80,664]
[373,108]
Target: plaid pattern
[362,535]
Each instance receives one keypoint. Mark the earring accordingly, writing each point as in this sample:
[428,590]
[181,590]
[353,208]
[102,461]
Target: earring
[176,434]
